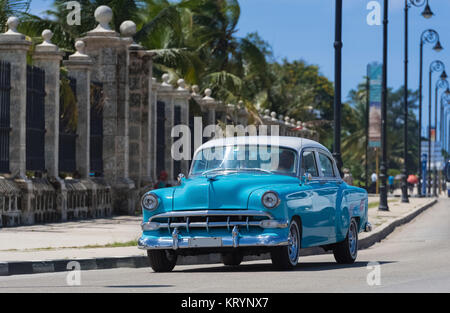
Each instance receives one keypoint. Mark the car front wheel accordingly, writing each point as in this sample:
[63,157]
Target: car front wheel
[345,252]
[162,260]
[287,257]
[232,258]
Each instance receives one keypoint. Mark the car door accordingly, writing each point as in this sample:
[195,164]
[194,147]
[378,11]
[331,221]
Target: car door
[328,193]
[314,218]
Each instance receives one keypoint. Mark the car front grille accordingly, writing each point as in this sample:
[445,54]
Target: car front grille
[207,219]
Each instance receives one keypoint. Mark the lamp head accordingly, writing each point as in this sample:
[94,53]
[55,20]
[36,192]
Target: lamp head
[427,13]
[438,47]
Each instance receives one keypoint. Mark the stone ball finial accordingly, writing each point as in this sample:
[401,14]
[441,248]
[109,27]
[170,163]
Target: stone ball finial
[195,89]
[79,46]
[293,121]
[165,78]
[103,15]
[47,35]
[273,114]
[181,84]
[13,23]
[299,123]
[208,92]
[128,29]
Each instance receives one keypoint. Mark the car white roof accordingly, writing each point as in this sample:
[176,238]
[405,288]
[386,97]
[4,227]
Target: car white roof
[296,143]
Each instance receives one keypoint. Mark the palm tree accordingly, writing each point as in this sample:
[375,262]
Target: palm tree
[9,8]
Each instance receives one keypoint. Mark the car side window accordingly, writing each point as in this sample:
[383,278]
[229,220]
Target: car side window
[309,163]
[326,165]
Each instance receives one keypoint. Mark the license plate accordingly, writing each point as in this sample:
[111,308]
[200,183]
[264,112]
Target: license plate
[205,242]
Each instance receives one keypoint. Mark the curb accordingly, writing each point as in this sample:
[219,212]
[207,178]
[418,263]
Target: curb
[387,228]
[38,267]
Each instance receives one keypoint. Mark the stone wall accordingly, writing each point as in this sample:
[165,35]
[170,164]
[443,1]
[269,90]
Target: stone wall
[130,99]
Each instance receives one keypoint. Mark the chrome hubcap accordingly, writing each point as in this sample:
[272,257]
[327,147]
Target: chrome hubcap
[293,246]
[352,240]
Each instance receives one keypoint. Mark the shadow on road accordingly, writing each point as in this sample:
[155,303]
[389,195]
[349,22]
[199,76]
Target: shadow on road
[301,267]
[139,286]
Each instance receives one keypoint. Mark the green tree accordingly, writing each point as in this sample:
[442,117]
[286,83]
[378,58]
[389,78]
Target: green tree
[11,8]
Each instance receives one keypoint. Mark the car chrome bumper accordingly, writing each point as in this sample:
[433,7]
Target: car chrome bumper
[235,240]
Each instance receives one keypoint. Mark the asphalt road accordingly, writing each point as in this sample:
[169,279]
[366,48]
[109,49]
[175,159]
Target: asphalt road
[415,258]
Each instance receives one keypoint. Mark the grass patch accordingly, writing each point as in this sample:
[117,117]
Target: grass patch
[131,243]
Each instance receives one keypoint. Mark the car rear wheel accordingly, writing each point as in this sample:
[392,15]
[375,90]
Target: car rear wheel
[345,252]
[232,258]
[162,260]
[287,257]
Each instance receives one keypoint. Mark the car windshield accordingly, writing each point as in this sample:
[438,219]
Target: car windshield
[259,158]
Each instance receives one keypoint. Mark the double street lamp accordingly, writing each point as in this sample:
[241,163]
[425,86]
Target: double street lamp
[442,83]
[445,106]
[426,14]
[435,66]
[432,37]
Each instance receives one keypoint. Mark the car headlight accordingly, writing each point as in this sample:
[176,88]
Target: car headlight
[149,201]
[270,199]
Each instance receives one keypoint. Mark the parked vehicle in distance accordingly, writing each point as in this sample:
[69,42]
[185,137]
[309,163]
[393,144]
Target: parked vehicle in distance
[252,195]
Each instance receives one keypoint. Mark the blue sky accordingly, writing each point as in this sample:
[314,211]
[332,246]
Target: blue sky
[304,29]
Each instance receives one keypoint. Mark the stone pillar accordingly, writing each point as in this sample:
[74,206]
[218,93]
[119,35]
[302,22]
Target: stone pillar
[166,94]
[110,58]
[13,49]
[48,57]
[209,104]
[182,100]
[152,120]
[138,95]
[79,66]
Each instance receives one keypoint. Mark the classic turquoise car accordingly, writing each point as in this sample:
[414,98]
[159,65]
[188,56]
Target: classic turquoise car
[253,195]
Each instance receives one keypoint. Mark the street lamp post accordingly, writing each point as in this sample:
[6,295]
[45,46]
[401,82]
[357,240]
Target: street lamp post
[432,37]
[383,166]
[435,66]
[337,85]
[440,84]
[427,14]
[445,105]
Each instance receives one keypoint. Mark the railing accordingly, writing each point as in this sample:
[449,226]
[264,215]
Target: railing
[160,137]
[5,128]
[35,119]
[177,163]
[67,132]
[96,136]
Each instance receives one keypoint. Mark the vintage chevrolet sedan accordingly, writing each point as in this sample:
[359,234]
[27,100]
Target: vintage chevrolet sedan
[253,195]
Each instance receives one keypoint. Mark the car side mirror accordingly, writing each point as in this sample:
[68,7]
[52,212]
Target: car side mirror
[181,177]
[306,178]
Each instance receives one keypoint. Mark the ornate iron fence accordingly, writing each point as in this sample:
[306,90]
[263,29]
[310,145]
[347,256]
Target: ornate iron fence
[160,137]
[5,127]
[96,145]
[177,163]
[35,120]
[67,133]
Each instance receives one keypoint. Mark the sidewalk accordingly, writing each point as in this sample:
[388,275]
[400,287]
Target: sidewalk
[116,237]
[110,237]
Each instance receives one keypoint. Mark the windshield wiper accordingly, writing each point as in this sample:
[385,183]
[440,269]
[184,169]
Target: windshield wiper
[256,169]
[218,170]
[236,170]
